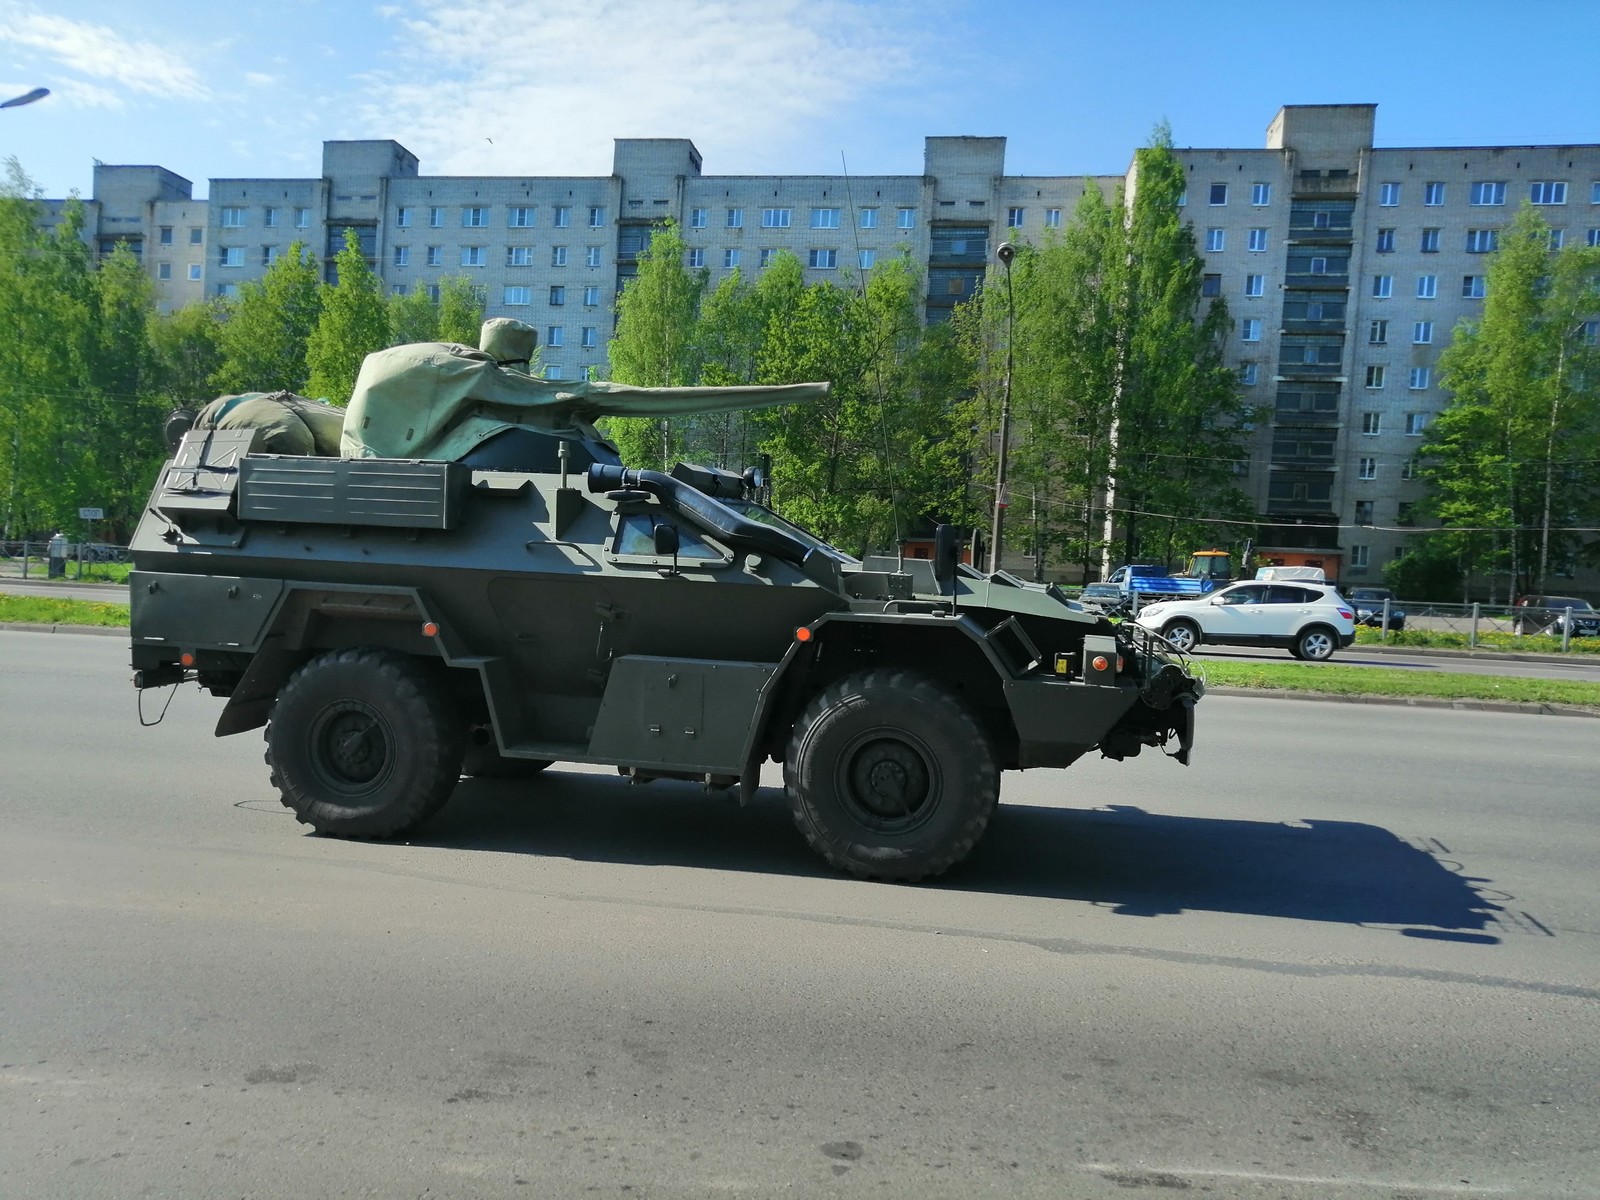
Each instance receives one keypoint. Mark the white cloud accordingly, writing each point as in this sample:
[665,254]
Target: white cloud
[553,81]
[260,78]
[100,53]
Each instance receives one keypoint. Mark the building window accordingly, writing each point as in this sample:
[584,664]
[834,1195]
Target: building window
[1258,239]
[591,295]
[1249,374]
[774,218]
[163,270]
[1250,329]
[1321,219]
[1545,192]
[1260,194]
[1014,217]
[869,218]
[436,256]
[1422,333]
[519,256]
[1385,241]
[398,289]
[1592,238]
[1558,238]
[231,256]
[474,218]
[270,218]
[227,290]
[194,272]
[1375,375]
[1487,193]
[1378,333]
[591,256]
[1255,285]
[1421,377]
[697,258]
[1319,266]
[1483,241]
[1405,512]
[518,295]
[1183,198]
[519,216]
[1211,285]
[1427,287]
[1430,241]
[402,256]
[1363,512]
[736,218]
[730,258]
[1416,424]
[824,218]
[867,259]
[1589,331]
[906,218]
[402,217]
[1410,469]
[1216,239]
[1388,194]
[1367,468]
[1383,286]
[1360,556]
[233,218]
[697,218]
[563,216]
[597,216]
[591,336]
[1433,194]
[436,218]
[434,292]
[166,235]
[552,371]
[558,295]
[1052,218]
[555,335]
[558,256]
[766,257]
[823,260]
[1472,287]
[1218,194]
[473,256]
[1372,423]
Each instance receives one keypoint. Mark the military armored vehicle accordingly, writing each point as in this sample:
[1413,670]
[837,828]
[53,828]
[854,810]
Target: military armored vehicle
[479,586]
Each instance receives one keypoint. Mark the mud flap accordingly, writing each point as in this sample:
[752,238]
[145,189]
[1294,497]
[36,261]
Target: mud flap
[1183,725]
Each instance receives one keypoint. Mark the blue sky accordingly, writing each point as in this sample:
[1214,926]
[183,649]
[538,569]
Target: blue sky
[515,87]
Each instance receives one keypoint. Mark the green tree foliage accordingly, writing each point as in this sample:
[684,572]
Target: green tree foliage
[413,317]
[1511,460]
[460,315]
[353,322]
[264,334]
[654,344]
[188,350]
[1429,570]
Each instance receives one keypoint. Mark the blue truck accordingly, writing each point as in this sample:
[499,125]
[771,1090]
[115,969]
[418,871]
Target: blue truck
[1205,571]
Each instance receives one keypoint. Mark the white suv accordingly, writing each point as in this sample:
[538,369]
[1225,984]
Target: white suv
[1310,620]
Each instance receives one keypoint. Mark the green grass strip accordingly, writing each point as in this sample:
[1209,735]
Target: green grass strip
[41,610]
[1335,680]
[1510,642]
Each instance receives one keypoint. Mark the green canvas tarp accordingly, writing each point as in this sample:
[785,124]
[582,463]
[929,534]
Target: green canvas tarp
[437,400]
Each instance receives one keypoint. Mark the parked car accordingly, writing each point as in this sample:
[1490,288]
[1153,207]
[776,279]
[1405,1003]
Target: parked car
[1548,614]
[1368,603]
[1309,620]
[1101,597]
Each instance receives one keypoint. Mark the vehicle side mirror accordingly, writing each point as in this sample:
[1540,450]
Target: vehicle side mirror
[666,538]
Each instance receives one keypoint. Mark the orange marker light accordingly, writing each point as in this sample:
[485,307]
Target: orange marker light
[803,634]
[429,629]
[186,659]
[1099,662]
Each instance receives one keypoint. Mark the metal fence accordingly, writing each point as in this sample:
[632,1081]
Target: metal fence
[1481,624]
[73,560]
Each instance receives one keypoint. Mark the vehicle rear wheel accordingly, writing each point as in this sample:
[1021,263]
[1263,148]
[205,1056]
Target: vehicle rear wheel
[1184,636]
[890,777]
[362,744]
[1316,644]
[483,759]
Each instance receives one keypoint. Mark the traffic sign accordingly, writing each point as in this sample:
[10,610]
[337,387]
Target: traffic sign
[91,514]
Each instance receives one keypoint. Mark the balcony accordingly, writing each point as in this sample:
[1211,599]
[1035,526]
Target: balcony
[1323,282]
[1323,186]
[1304,370]
[1328,325]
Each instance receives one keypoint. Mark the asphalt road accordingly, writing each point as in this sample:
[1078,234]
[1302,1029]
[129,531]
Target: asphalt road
[1352,952]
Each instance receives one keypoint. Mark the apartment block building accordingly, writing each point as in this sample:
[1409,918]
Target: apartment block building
[1345,265]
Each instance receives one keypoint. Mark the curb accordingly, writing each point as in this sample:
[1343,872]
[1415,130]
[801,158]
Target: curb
[1497,706]
[1492,655]
[94,630]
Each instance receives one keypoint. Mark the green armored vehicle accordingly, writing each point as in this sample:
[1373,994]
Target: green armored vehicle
[478,586]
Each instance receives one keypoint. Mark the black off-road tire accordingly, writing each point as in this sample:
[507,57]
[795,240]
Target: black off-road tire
[1315,644]
[362,743]
[890,777]
[483,759]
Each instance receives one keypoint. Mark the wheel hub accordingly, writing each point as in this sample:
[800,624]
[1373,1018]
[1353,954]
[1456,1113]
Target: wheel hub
[354,745]
[888,780]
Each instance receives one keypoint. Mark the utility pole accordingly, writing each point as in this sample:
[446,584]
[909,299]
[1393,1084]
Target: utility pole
[1005,254]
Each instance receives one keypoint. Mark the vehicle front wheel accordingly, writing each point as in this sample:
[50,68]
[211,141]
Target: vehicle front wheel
[1316,644]
[362,744]
[890,777]
[1183,636]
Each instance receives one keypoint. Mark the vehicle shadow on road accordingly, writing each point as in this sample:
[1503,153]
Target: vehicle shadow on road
[1134,862]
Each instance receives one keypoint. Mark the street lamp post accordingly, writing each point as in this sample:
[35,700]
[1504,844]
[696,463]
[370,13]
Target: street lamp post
[1005,254]
[38,93]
